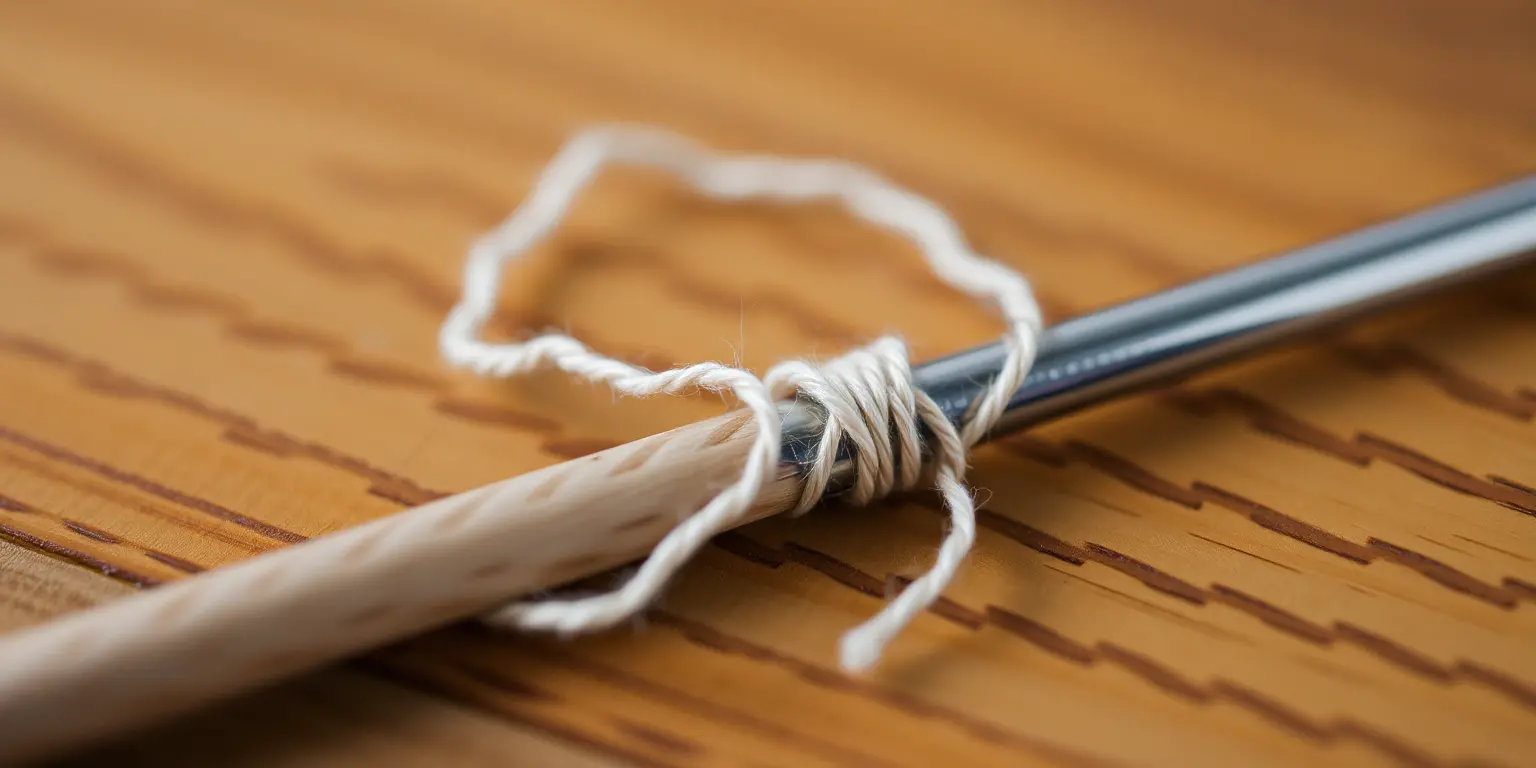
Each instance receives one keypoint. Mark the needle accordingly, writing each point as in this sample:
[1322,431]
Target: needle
[1178,331]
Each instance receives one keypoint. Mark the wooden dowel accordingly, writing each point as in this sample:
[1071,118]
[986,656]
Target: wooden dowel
[169,649]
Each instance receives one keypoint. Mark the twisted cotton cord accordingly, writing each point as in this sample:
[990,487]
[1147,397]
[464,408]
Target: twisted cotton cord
[867,393]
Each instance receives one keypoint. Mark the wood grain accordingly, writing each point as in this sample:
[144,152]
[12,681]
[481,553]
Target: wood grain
[228,232]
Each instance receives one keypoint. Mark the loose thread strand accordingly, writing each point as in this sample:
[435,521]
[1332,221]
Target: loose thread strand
[867,393]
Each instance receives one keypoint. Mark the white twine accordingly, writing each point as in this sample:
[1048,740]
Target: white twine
[867,393]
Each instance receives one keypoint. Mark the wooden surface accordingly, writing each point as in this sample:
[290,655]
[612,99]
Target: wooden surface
[228,232]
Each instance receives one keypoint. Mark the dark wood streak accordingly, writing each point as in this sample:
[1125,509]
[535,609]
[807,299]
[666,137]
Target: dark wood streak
[1403,753]
[1285,524]
[406,493]
[1270,420]
[470,686]
[1150,606]
[1035,539]
[1386,648]
[716,640]
[1242,551]
[1360,451]
[186,299]
[266,333]
[384,484]
[1146,574]
[1178,686]
[34,122]
[238,324]
[185,566]
[1502,682]
[1513,484]
[1270,710]
[112,492]
[1521,585]
[96,534]
[1131,473]
[942,607]
[247,433]
[1445,475]
[1382,647]
[656,691]
[1040,636]
[1492,548]
[495,414]
[1522,487]
[1144,480]
[1038,450]
[659,739]
[263,442]
[416,187]
[1145,667]
[837,570]
[61,552]
[1271,614]
[146,485]
[388,374]
[1056,644]
[1151,671]
[1444,574]
[1271,519]
[90,533]
[1387,359]
[748,548]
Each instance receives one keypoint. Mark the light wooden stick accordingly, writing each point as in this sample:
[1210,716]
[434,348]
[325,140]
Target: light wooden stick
[166,650]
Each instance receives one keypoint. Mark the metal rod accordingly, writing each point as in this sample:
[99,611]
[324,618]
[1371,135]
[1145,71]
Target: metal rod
[1152,339]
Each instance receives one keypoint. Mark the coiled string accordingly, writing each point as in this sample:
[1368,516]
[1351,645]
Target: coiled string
[867,393]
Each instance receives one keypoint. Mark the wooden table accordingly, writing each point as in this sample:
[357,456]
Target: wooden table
[228,232]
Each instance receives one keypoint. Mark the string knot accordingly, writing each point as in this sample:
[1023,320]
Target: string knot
[867,394]
[873,409]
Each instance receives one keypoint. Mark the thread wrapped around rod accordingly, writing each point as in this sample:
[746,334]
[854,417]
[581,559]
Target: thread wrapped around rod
[867,396]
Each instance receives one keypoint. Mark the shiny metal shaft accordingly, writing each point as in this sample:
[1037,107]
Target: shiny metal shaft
[1149,340]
